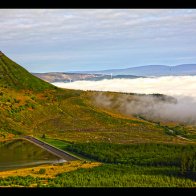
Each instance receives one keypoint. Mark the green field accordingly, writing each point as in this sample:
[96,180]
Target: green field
[145,165]
[135,154]
[169,163]
[108,176]
[55,142]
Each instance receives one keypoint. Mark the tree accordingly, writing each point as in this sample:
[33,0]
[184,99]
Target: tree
[42,171]
[44,136]
[188,164]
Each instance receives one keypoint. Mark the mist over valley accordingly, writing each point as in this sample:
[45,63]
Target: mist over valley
[182,88]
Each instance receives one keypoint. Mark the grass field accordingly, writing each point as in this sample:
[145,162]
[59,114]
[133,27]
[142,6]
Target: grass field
[106,175]
[145,165]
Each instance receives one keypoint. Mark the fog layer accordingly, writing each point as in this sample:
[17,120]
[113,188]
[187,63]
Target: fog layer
[183,88]
[170,85]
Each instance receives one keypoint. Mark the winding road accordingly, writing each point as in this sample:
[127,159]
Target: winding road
[59,153]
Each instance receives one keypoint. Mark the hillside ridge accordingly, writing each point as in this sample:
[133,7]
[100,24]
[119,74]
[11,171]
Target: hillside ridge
[16,77]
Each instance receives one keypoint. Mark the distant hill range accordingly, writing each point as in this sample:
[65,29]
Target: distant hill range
[131,73]
[152,70]
[71,77]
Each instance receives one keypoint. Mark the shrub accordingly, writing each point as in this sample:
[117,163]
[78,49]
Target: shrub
[43,136]
[42,171]
[188,164]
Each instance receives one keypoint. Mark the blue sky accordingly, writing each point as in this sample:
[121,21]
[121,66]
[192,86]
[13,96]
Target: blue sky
[65,40]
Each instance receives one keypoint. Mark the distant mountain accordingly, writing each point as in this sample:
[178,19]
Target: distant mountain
[151,70]
[71,77]
[134,72]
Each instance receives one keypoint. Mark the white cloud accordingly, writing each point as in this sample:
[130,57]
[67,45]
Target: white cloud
[137,36]
[183,88]
[170,85]
[27,24]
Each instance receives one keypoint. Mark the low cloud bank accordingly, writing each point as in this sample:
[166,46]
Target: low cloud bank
[183,88]
[170,85]
[181,109]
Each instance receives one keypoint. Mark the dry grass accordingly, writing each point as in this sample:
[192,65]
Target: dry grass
[51,170]
[6,137]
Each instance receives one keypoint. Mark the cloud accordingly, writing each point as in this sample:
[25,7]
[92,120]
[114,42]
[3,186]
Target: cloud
[182,88]
[181,109]
[41,24]
[122,37]
[170,85]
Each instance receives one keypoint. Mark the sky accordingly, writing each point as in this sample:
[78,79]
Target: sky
[64,40]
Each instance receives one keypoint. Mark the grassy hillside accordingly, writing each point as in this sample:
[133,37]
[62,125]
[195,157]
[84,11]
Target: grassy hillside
[32,106]
[70,115]
[134,152]
[14,76]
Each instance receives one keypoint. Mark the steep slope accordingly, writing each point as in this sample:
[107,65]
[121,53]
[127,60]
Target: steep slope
[29,105]
[14,76]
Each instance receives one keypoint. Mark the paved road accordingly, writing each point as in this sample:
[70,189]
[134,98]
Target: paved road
[60,153]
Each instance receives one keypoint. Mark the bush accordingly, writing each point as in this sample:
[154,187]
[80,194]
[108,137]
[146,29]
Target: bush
[188,164]
[42,171]
[43,136]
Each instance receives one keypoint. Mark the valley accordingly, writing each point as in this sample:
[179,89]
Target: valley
[119,149]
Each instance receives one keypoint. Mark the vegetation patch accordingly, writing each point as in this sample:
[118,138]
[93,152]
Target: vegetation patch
[49,171]
[162,155]
[109,175]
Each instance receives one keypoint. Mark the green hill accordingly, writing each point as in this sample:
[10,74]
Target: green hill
[14,76]
[133,151]
[31,106]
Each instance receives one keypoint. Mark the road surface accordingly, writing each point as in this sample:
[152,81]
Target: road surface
[59,153]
